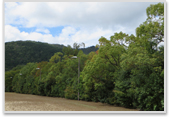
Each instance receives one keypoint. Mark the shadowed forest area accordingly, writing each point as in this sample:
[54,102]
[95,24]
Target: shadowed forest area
[126,70]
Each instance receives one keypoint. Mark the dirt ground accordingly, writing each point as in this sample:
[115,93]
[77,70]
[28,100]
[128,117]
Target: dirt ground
[27,102]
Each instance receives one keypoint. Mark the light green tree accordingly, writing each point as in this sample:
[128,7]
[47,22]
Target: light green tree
[56,57]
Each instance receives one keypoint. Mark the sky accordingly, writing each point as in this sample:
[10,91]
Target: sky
[69,22]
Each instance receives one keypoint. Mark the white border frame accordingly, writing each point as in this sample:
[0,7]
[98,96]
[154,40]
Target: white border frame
[94,112]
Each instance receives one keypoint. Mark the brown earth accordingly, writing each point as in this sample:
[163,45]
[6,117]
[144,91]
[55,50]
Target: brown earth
[27,102]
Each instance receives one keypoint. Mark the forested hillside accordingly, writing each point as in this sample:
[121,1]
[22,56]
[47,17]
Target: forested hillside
[23,52]
[126,71]
[89,49]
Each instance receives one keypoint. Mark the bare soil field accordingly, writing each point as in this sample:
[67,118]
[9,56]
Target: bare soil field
[27,102]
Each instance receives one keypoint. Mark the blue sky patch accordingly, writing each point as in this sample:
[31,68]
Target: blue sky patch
[55,31]
[28,30]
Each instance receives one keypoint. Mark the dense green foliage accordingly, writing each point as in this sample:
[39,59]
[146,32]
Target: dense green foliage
[89,49]
[22,52]
[127,70]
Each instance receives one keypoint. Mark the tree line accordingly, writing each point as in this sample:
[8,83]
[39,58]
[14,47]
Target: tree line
[126,70]
[22,52]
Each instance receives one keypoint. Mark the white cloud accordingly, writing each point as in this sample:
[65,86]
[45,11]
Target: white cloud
[83,21]
[68,36]
[11,5]
[94,14]
[43,30]
[13,34]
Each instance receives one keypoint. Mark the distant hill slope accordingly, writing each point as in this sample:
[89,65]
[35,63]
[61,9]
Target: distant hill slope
[58,45]
[89,49]
[23,52]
